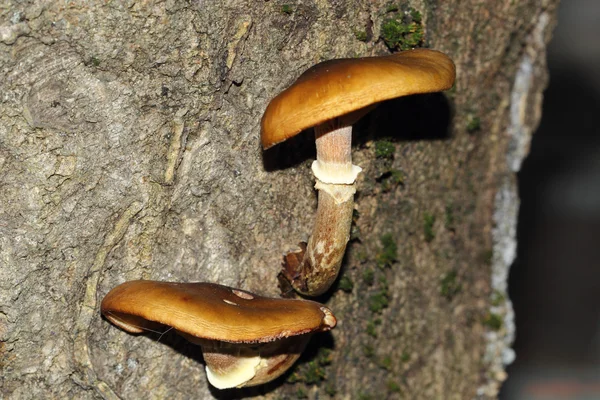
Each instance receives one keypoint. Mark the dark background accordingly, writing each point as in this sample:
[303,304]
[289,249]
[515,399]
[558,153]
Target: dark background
[555,281]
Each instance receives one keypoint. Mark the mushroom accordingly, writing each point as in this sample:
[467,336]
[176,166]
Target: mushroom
[330,97]
[246,339]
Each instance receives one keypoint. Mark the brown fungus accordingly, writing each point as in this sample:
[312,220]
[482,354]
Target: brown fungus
[246,339]
[330,97]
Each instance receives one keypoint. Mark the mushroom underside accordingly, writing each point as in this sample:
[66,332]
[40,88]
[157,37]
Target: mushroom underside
[238,365]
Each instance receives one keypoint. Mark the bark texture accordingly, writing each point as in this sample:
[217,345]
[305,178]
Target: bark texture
[129,149]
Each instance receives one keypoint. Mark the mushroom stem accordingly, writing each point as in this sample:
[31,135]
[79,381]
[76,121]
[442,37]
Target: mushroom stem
[335,175]
[330,97]
[326,247]
[230,365]
[225,370]
[334,156]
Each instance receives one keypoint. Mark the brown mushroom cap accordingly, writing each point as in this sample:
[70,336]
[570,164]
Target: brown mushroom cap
[337,87]
[214,312]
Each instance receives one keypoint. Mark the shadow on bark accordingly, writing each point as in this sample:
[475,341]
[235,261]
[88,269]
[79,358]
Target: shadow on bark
[410,118]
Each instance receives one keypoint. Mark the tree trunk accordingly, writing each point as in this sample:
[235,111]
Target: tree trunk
[129,149]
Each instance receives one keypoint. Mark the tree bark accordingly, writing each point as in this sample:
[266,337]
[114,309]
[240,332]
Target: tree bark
[129,149]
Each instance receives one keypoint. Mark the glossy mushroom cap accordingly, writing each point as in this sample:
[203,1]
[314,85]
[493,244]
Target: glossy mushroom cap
[213,312]
[338,87]
[246,339]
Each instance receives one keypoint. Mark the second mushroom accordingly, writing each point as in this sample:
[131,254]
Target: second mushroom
[331,96]
[246,339]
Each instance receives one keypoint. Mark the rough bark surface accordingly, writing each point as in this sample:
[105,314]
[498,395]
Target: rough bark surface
[129,148]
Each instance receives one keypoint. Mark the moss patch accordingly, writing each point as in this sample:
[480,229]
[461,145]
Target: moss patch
[405,357]
[498,298]
[449,214]
[372,327]
[393,387]
[345,284]
[330,389]
[473,123]
[487,256]
[368,350]
[428,221]
[379,301]
[402,30]
[386,363]
[493,321]
[287,9]
[361,36]
[391,179]
[312,372]
[389,252]
[449,285]
[368,276]
[384,149]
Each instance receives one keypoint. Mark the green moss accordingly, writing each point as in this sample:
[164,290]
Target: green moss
[487,256]
[379,301]
[313,372]
[361,36]
[324,356]
[391,179]
[405,357]
[361,255]
[368,276]
[368,350]
[330,389]
[301,394]
[95,61]
[402,31]
[493,321]
[416,15]
[345,284]
[371,329]
[364,396]
[384,149]
[310,373]
[498,298]
[287,9]
[393,387]
[391,8]
[449,214]
[449,285]
[294,377]
[383,281]
[389,253]
[397,176]
[386,363]
[473,123]
[428,220]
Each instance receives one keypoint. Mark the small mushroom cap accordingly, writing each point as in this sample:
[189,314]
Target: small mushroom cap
[214,312]
[337,87]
